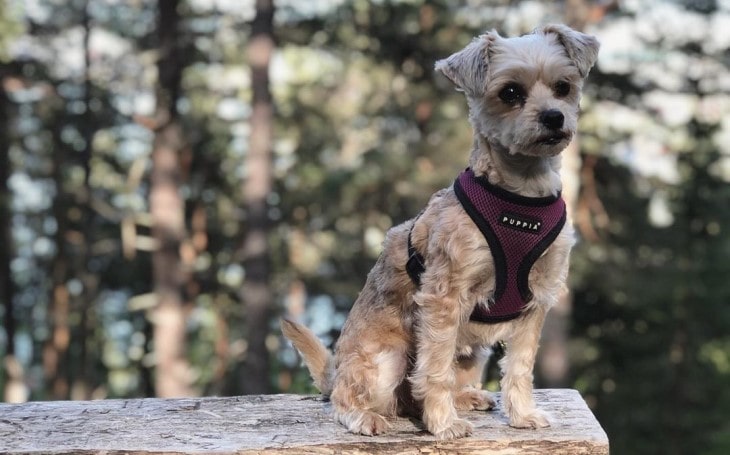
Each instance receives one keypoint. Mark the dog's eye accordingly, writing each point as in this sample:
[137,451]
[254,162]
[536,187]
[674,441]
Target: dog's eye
[512,94]
[562,89]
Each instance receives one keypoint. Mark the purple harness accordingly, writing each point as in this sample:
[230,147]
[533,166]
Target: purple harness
[518,230]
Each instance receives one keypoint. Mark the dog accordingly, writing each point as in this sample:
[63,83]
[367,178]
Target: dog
[447,285]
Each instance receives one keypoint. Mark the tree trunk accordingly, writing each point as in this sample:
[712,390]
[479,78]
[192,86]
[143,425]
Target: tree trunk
[553,358]
[14,385]
[55,348]
[168,216]
[256,293]
[82,383]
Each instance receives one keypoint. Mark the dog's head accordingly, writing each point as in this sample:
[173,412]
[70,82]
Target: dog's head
[523,93]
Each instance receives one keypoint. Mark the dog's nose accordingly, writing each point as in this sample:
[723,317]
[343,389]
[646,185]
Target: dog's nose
[552,118]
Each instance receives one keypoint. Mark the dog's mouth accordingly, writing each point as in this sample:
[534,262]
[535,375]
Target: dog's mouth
[553,138]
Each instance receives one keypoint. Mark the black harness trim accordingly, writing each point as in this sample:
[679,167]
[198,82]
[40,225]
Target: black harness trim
[416,264]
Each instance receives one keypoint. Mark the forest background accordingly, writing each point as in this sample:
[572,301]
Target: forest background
[177,174]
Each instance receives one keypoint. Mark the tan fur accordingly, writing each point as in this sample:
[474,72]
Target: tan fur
[409,350]
[318,359]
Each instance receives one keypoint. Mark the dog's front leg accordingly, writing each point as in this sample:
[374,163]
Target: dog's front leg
[517,373]
[434,378]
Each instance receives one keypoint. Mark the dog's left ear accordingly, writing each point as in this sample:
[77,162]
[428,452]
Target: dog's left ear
[581,48]
[467,69]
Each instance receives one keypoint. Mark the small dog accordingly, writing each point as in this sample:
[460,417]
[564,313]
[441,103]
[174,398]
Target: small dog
[448,284]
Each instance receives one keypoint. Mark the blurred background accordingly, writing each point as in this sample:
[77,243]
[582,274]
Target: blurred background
[177,174]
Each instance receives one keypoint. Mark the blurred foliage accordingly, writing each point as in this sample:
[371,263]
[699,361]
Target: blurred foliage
[365,132]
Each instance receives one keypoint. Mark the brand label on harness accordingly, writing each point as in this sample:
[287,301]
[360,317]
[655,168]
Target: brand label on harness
[520,222]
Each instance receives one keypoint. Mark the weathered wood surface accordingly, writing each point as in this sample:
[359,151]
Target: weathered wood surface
[276,424]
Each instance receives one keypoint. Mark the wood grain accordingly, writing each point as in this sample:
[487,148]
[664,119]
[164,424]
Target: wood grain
[276,424]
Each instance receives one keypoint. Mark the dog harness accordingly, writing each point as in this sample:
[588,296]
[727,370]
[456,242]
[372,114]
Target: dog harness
[518,230]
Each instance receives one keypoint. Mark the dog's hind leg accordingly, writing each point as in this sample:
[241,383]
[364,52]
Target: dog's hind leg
[469,376]
[365,388]
[434,377]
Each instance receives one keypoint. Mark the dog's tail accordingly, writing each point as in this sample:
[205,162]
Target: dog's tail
[317,357]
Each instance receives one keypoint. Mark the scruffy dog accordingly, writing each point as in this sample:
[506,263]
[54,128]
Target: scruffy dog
[483,262]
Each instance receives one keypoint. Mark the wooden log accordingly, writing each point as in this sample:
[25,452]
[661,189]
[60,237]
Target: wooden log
[276,424]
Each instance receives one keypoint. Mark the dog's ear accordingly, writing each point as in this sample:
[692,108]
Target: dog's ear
[467,69]
[581,48]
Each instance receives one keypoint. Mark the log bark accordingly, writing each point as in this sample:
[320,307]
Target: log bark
[276,424]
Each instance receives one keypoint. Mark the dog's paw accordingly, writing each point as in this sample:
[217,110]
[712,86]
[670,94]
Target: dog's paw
[459,428]
[470,399]
[532,419]
[367,423]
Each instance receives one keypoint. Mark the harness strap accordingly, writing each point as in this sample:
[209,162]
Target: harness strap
[415,265]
